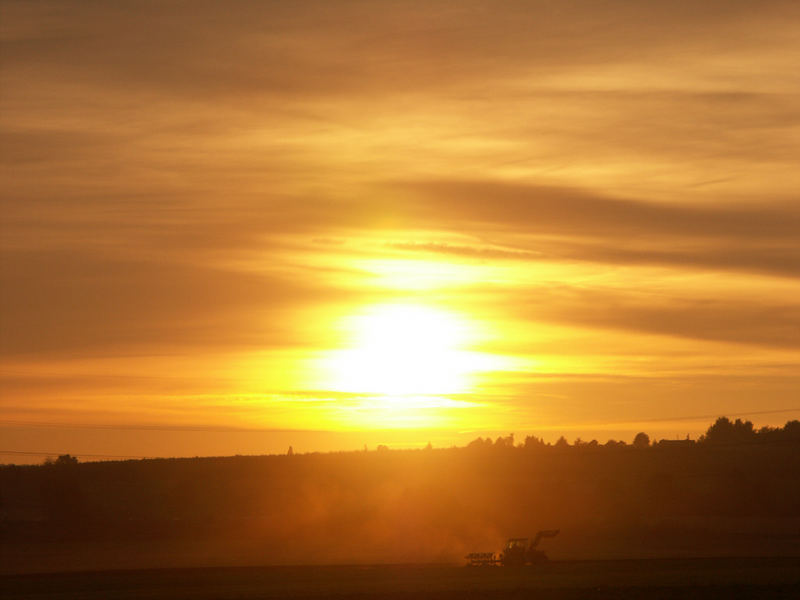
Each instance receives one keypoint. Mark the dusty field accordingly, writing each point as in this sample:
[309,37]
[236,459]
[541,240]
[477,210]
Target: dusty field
[646,579]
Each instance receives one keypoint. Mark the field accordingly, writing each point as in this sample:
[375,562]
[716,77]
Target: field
[650,579]
[200,528]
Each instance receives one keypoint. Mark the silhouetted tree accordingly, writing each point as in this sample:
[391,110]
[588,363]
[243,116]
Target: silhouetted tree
[642,440]
[62,494]
[505,442]
[532,442]
[479,443]
[725,432]
[562,442]
[63,460]
[792,430]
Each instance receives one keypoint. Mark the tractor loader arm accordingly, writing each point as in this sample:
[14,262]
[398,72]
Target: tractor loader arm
[544,533]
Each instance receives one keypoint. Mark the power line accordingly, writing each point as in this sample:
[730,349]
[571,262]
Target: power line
[33,453]
[698,417]
[189,428]
[220,429]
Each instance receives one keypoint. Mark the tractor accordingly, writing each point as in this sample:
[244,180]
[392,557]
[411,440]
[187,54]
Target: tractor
[516,553]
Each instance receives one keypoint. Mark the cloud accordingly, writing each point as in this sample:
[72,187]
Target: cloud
[75,302]
[532,222]
[769,259]
[350,45]
[781,261]
[770,324]
[563,211]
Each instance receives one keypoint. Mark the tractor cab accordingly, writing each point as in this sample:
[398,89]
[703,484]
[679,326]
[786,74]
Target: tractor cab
[514,552]
[519,552]
[516,544]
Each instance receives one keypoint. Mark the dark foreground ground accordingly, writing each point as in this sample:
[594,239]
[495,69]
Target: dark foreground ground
[646,579]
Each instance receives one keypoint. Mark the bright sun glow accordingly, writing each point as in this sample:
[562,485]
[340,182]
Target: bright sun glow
[405,351]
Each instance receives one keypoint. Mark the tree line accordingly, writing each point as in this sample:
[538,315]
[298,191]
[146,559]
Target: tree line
[722,431]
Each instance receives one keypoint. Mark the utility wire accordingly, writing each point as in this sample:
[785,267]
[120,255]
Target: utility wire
[192,428]
[213,429]
[32,453]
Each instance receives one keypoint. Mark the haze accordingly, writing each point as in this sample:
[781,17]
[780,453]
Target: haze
[228,228]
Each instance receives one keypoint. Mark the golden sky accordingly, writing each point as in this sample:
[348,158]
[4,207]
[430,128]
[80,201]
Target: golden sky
[334,223]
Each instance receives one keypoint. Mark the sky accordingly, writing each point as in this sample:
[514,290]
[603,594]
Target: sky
[234,227]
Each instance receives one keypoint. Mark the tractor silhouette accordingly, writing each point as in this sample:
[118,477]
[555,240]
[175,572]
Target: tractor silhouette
[516,553]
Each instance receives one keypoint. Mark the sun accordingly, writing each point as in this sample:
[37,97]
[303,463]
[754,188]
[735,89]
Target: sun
[402,350]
